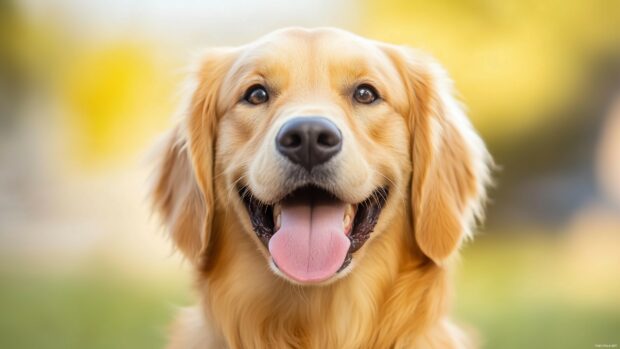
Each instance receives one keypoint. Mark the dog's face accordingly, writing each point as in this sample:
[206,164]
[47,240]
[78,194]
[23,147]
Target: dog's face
[315,140]
[312,143]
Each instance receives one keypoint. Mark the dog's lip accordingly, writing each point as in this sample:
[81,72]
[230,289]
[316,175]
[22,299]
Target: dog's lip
[367,213]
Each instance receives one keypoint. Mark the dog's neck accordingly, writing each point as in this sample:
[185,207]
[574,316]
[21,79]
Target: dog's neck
[363,307]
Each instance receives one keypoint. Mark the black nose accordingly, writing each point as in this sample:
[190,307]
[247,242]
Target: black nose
[309,141]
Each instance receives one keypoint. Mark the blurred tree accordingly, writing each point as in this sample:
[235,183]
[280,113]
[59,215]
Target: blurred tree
[513,61]
[115,94]
[12,74]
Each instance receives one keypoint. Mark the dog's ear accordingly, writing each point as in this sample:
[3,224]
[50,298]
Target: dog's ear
[177,196]
[183,189]
[449,160]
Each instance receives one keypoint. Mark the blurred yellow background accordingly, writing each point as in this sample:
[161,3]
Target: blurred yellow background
[87,86]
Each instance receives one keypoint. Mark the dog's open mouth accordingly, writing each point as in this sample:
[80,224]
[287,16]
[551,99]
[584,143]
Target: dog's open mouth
[310,233]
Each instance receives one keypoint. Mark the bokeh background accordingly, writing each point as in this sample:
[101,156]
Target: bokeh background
[87,86]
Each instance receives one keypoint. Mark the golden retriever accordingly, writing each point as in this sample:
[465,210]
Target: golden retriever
[320,184]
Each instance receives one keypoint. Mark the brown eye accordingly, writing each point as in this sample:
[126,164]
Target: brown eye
[365,94]
[256,95]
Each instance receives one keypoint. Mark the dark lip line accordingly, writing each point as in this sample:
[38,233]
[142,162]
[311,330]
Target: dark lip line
[263,232]
[364,224]
[366,218]
[380,193]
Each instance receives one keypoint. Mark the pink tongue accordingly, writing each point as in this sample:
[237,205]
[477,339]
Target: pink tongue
[310,245]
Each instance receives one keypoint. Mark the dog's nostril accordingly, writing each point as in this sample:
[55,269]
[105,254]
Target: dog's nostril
[291,140]
[328,139]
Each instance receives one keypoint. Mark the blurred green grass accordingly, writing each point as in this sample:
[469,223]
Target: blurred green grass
[520,292]
[504,292]
[94,310]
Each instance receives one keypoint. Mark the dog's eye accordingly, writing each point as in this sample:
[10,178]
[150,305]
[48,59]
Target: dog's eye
[365,94]
[256,95]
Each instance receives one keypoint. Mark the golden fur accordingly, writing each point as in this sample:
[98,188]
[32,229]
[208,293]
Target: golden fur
[418,141]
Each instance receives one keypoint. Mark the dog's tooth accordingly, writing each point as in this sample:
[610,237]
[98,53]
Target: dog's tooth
[349,211]
[346,221]
[277,223]
[277,209]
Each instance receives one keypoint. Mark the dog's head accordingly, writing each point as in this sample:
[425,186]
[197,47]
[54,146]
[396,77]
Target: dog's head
[315,140]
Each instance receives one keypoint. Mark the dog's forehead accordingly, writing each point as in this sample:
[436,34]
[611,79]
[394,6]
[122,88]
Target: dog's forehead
[296,49]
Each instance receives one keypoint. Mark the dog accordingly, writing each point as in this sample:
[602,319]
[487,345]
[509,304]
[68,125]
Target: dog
[320,184]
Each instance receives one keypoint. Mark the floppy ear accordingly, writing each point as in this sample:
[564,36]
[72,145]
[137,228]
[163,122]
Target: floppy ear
[183,191]
[450,161]
[178,198]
